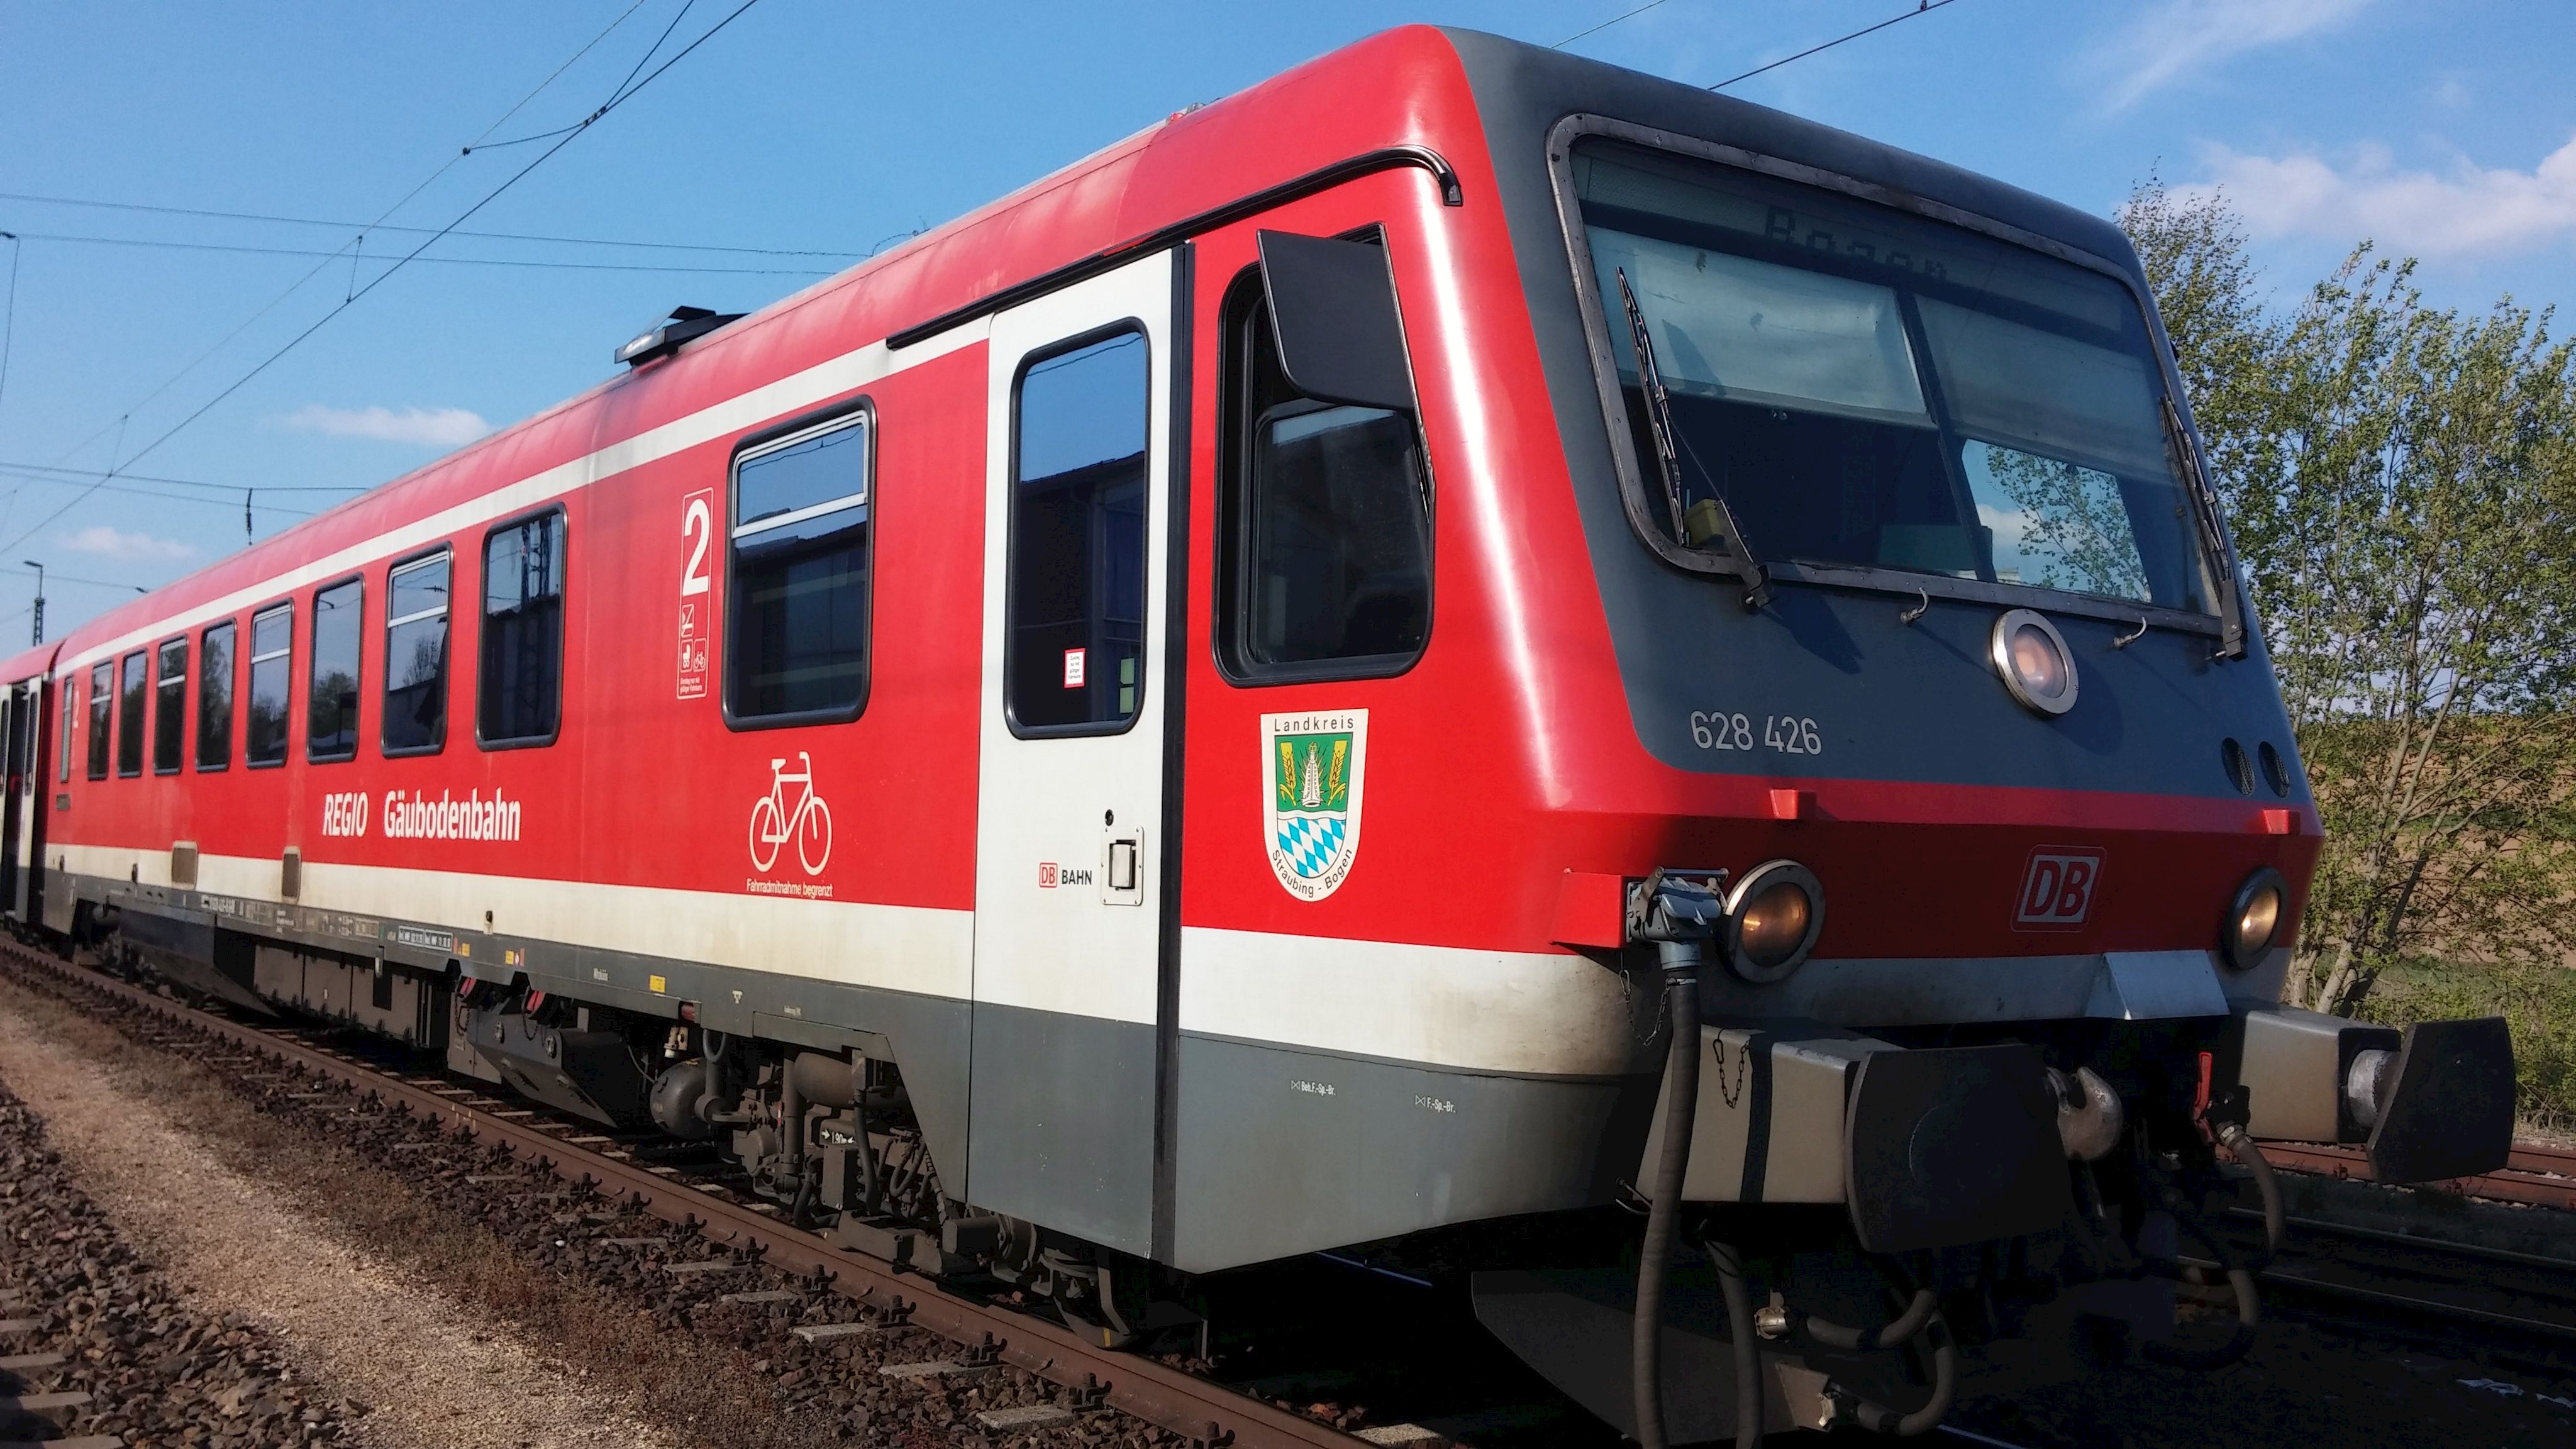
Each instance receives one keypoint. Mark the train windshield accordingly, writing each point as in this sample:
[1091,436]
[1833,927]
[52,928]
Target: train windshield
[1862,388]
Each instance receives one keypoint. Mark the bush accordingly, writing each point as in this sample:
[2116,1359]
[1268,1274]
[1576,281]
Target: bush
[2539,1001]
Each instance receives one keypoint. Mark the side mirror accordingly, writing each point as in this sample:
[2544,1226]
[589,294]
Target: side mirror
[1332,309]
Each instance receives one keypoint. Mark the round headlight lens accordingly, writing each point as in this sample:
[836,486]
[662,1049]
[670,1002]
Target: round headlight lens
[2033,659]
[2254,918]
[1775,922]
[2037,664]
[1773,916]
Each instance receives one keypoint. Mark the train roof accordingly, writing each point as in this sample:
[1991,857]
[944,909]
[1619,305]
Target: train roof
[1414,85]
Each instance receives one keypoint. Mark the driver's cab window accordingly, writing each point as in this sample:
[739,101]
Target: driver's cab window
[1325,519]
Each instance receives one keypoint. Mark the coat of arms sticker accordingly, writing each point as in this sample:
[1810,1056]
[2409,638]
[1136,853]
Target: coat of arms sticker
[1312,765]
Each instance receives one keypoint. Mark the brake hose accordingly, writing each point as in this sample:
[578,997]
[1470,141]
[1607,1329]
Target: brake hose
[1681,917]
[1739,1337]
[1663,1216]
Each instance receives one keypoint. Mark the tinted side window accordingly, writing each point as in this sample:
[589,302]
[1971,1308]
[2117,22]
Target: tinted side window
[170,707]
[129,706]
[331,704]
[1326,522]
[798,601]
[416,657]
[215,698]
[102,697]
[1074,650]
[272,648]
[521,699]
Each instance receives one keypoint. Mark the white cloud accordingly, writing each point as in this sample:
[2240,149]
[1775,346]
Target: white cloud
[2465,209]
[110,542]
[439,427]
[2182,38]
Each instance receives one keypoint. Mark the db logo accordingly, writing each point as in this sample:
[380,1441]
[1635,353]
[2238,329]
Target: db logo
[2057,888]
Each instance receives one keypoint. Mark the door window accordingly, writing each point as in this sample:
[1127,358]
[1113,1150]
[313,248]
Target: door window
[1073,657]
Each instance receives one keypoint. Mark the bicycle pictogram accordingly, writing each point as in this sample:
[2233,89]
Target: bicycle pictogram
[810,822]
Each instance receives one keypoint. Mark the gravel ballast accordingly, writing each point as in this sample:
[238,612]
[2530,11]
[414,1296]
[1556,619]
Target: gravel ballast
[157,1367]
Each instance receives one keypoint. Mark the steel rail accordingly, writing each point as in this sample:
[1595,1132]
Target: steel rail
[1196,1408]
[2539,1176]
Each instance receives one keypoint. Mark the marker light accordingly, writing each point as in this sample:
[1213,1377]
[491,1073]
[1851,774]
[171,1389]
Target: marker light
[1773,917]
[2034,661]
[2253,919]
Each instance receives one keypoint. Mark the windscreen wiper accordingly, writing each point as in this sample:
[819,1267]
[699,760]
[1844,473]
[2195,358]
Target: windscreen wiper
[2213,537]
[1659,420]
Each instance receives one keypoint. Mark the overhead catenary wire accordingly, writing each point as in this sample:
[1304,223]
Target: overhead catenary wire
[1921,7]
[9,311]
[298,284]
[119,241]
[614,101]
[121,489]
[1606,24]
[357,226]
[228,489]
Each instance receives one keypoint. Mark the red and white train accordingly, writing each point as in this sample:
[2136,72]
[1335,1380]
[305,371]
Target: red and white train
[1213,709]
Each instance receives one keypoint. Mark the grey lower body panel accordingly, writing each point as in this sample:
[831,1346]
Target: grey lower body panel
[1283,1151]
[1064,1123]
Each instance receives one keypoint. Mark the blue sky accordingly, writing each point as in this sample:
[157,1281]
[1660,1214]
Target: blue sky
[2446,132]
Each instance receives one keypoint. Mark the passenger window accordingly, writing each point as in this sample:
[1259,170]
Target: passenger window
[170,707]
[1074,651]
[797,646]
[1325,519]
[215,698]
[272,648]
[129,707]
[102,697]
[331,698]
[65,706]
[416,657]
[521,699]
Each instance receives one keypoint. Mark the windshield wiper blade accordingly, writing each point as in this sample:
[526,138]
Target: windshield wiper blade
[2213,537]
[1659,420]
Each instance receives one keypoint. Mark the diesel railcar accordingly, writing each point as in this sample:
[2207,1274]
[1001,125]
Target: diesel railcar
[1462,636]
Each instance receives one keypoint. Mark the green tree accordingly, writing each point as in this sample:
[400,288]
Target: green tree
[2401,483]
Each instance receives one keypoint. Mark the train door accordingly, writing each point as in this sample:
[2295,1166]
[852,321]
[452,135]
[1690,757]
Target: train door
[1077,705]
[31,727]
[16,734]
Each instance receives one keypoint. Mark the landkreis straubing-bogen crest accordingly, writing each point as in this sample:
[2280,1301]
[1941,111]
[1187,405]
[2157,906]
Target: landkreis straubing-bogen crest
[1312,766]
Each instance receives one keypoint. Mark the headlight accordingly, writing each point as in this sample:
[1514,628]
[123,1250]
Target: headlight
[2253,918]
[2033,659]
[1773,917]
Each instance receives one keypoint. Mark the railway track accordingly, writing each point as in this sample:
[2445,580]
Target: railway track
[2534,1175]
[987,1334]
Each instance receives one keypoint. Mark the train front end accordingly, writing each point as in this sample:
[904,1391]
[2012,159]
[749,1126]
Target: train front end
[1962,832]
